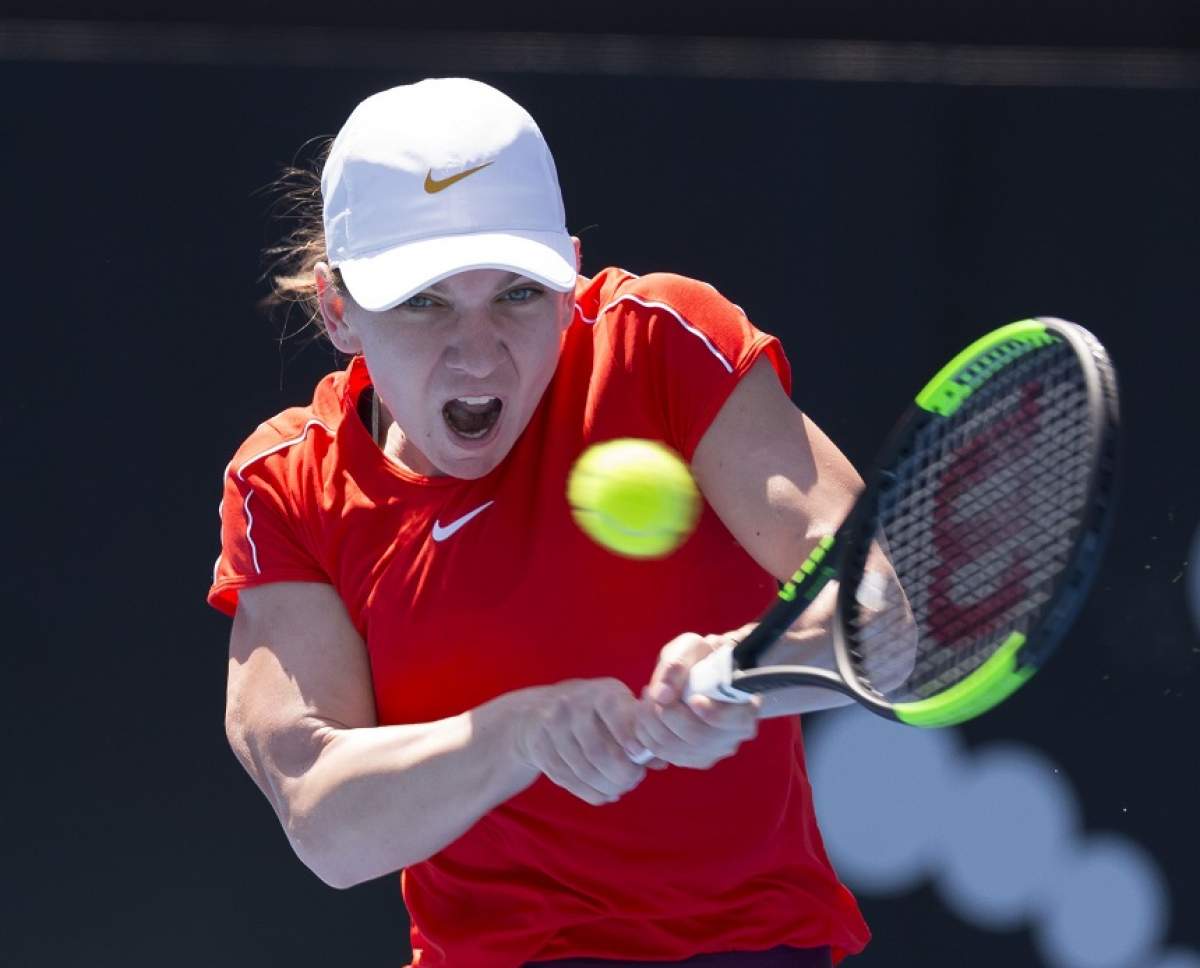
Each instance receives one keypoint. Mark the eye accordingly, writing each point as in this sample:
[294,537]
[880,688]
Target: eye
[522,294]
[419,301]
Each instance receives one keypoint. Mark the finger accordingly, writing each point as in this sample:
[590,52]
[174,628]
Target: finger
[619,716]
[679,737]
[579,763]
[701,743]
[607,755]
[700,750]
[673,684]
[668,682]
[675,660]
[559,772]
[654,734]
[736,716]
[688,728]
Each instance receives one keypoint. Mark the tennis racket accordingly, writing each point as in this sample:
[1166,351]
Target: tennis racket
[972,546]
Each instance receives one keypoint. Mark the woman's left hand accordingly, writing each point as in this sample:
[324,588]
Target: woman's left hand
[699,731]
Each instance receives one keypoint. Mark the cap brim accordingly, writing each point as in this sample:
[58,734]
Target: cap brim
[385,279]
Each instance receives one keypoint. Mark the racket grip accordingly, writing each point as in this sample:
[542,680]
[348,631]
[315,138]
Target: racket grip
[712,676]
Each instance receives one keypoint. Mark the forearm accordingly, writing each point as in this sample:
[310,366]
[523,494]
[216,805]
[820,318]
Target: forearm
[379,799]
[809,642]
[808,645]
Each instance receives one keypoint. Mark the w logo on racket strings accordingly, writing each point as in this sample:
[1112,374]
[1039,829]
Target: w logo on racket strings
[965,536]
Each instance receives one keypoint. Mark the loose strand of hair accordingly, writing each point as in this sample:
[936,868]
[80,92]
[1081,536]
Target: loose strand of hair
[289,263]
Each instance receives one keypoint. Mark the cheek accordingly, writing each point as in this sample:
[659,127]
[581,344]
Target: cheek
[541,357]
[402,371]
[554,332]
[399,352]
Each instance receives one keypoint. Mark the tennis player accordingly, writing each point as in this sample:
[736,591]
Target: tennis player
[432,670]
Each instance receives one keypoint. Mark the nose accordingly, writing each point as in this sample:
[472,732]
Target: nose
[476,347]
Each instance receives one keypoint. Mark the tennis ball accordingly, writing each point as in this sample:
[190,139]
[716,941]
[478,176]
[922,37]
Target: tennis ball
[633,497]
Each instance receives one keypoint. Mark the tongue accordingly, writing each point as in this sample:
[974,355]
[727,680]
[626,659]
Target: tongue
[471,418]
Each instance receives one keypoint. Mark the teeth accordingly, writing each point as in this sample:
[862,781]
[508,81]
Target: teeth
[475,401]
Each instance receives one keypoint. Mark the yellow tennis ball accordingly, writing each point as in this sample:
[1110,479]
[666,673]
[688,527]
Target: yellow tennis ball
[634,497]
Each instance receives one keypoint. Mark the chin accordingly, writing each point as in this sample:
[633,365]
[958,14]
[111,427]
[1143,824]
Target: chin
[468,470]
[471,467]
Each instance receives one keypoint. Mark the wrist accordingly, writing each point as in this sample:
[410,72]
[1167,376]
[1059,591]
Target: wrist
[508,722]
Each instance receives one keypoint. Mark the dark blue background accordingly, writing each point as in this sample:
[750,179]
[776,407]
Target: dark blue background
[875,228]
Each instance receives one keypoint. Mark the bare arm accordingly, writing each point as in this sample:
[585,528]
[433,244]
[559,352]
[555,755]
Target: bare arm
[779,484]
[358,800]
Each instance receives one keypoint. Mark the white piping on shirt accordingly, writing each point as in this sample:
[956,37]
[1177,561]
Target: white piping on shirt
[283,445]
[654,304]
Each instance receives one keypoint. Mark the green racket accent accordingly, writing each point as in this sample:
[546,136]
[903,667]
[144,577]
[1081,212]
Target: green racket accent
[994,681]
[959,378]
[811,563]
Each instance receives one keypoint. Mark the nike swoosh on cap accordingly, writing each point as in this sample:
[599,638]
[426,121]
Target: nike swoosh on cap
[433,185]
[441,533]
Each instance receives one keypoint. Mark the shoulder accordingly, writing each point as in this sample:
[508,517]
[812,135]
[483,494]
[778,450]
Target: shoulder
[283,437]
[616,292]
[295,437]
[684,295]
[681,321]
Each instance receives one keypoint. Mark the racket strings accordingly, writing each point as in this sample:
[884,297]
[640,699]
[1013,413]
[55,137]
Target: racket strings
[978,522]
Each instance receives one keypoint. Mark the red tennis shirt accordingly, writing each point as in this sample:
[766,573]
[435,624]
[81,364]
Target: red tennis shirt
[690,861]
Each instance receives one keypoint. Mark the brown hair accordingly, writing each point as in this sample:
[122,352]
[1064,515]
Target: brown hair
[290,261]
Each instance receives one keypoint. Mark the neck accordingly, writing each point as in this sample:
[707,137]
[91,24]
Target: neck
[390,439]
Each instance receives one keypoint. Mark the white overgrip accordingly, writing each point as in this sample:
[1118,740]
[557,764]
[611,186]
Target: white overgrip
[712,676]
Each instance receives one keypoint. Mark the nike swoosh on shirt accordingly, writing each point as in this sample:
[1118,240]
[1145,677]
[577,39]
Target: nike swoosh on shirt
[441,533]
[436,185]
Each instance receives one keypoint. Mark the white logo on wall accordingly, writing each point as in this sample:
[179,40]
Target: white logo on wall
[998,832]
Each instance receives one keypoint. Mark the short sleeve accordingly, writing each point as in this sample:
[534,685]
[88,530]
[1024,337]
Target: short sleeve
[697,347]
[260,540]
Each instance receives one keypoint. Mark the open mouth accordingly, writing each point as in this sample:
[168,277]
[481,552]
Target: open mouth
[472,417]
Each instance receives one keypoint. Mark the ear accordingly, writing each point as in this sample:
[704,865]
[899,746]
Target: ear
[333,311]
[568,314]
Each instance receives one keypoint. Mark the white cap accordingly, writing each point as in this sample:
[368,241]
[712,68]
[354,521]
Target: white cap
[434,178]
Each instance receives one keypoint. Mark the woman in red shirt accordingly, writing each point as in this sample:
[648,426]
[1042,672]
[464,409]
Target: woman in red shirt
[431,669]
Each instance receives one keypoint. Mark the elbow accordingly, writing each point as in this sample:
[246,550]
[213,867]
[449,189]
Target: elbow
[308,843]
[333,868]
[317,845]
[332,853]
[315,851]
[295,797]
[330,876]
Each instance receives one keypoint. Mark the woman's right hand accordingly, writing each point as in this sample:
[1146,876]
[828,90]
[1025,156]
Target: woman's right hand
[580,734]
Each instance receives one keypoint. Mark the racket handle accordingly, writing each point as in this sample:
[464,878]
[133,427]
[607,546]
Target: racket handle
[712,676]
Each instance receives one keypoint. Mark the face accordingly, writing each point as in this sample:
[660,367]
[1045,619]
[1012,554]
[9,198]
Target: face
[460,366]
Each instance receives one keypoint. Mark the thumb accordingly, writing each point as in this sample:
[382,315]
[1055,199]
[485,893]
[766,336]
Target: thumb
[670,678]
[667,683]
[675,661]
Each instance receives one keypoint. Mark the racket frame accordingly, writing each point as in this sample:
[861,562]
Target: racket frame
[732,673]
